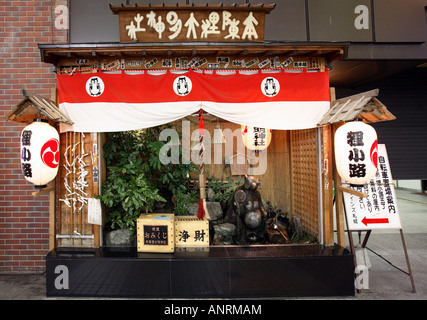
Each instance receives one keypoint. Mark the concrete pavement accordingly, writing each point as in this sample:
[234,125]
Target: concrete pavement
[385,282]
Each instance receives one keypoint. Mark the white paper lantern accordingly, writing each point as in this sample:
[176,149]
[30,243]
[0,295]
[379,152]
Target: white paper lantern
[255,138]
[39,153]
[356,152]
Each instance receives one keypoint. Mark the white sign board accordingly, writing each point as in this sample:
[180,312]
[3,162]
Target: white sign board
[94,211]
[379,209]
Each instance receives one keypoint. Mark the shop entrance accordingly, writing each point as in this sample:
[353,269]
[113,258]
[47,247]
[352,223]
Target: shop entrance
[292,182]
[285,162]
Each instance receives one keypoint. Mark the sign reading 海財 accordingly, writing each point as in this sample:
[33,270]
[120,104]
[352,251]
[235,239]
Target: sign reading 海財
[191,23]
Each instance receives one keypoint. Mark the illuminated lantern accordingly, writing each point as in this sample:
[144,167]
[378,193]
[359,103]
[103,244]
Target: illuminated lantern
[356,152]
[39,153]
[255,138]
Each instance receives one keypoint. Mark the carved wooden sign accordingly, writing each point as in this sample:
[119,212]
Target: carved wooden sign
[167,23]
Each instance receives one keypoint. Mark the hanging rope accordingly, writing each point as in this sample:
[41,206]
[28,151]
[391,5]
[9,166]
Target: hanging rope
[201,134]
[202,183]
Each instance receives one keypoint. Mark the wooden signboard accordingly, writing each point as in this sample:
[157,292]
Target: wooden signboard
[78,186]
[161,61]
[167,23]
[379,209]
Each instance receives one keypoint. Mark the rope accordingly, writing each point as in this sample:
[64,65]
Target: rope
[201,134]
[201,211]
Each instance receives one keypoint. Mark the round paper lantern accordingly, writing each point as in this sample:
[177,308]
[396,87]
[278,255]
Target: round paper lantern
[39,153]
[356,152]
[255,138]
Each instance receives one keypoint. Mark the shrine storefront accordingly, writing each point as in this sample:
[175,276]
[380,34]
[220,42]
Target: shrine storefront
[232,106]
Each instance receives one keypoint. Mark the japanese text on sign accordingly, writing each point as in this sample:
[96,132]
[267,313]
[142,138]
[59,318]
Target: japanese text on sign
[26,153]
[259,137]
[215,25]
[198,235]
[356,168]
[156,235]
[379,208]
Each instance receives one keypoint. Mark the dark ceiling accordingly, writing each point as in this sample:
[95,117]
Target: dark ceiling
[347,74]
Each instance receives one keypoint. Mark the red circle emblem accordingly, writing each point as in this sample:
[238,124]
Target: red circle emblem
[374,153]
[50,153]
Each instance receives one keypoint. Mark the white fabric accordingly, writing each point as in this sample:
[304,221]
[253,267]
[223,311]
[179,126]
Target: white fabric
[272,115]
[111,117]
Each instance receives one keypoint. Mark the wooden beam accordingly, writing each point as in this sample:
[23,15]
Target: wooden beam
[339,201]
[52,220]
[42,191]
[353,192]
[52,54]
[52,193]
[327,183]
[95,145]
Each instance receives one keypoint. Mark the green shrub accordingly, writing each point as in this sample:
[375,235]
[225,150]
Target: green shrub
[136,179]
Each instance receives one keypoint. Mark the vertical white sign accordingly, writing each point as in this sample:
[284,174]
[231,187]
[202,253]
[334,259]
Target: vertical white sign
[379,209]
[94,211]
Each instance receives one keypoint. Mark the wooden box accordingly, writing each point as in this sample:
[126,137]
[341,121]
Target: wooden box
[191,231]
[155,233]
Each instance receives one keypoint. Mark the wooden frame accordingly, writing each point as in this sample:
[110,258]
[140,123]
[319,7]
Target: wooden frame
[79,158]
[304,178]
[84,54]
[158,23]
[277,188]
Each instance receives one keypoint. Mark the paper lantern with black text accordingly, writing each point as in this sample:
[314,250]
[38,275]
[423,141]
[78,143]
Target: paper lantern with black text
[39,153]
[255,138]
[356,152]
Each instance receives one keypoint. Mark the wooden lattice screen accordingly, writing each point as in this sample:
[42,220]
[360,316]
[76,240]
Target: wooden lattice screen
[304,168]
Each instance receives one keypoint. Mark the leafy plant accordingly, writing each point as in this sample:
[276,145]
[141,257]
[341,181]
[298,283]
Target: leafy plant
[224,190]
[183,200]
[127,192]
[174,176]
[136,178]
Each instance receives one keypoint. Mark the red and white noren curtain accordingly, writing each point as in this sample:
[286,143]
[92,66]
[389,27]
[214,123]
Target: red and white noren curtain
[121,101]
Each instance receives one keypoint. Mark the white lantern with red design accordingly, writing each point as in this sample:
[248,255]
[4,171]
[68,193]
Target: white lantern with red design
[356,152]
[256,138]
[39,153]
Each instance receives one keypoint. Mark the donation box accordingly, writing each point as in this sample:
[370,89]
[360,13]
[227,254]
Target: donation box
[191,231]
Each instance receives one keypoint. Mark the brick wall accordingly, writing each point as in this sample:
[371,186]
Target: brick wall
[24,219]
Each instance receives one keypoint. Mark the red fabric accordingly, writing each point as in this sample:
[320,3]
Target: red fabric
[201,123]
[232,88]
[201,210]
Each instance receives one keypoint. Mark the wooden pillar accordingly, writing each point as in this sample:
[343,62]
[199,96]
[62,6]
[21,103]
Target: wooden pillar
[52,232]
[339,200]
[96,149]
[339,204]
[52,194]
[327,185]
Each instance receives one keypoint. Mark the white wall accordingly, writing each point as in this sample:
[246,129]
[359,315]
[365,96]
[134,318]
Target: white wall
[409,184]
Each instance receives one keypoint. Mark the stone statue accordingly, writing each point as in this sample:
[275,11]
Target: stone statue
[251,215]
